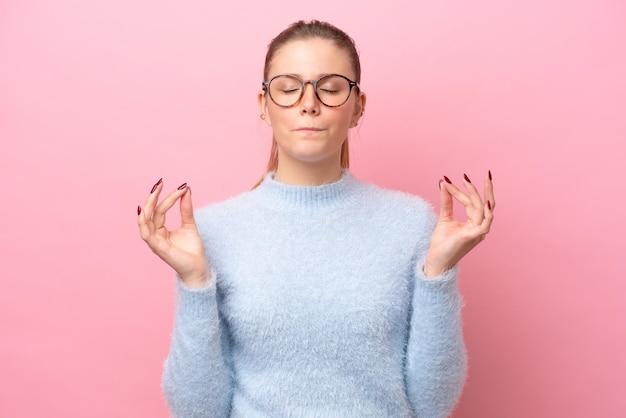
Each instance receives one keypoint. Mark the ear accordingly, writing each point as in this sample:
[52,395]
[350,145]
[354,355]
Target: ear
[262,100]
[359,108]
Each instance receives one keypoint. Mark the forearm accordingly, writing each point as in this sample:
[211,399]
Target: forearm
[436,358]
[196,377]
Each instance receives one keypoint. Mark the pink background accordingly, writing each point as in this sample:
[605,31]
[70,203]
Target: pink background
[99,99]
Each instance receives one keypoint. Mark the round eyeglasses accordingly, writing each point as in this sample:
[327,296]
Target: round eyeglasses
[332,90]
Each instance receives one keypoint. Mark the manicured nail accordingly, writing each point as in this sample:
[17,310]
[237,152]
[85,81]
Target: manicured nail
[182,186]
[490,179]
[440,184]
[447,180]
[138,210]
[489,204]
[156,185]
[466,178]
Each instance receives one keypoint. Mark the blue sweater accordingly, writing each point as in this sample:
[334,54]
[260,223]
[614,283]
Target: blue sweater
[317,307]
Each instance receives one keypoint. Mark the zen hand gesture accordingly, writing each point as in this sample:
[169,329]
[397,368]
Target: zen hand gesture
[182,248]
[453,239]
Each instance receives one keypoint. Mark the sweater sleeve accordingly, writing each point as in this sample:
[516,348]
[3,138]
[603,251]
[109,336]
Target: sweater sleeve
[436,361]
[196,377]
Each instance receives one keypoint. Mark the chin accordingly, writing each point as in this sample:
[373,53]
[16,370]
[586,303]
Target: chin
[312,157]
[314,153]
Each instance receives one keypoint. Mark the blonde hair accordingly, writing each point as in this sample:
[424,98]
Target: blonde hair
[306,30]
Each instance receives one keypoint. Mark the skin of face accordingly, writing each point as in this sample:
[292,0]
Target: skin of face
[309,135]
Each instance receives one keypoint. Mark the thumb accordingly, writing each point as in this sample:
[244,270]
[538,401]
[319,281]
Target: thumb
[446,210]
[186,209]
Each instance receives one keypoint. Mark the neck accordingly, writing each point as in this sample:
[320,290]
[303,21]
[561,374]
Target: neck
[307,174]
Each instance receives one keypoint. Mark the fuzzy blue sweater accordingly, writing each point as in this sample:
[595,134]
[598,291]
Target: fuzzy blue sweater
[317,307]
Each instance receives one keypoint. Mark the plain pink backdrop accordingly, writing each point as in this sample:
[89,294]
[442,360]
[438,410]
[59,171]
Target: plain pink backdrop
[99,99]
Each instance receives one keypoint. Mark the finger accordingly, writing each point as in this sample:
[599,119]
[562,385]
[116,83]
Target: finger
[456,193]
[485,227]
[144,230]
[186,210]
[151,200]
[473,192]
[475,213]
[446,210]
[145,216]
[489,196]
[167,203]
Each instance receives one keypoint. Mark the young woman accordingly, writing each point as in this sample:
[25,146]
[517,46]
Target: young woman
[315,294]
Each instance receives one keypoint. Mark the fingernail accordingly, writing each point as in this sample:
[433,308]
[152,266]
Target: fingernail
[447,180]
[440,184]
[466,178]
[156,185]
[138,210]
[182,186]
[490,175]
[489,204]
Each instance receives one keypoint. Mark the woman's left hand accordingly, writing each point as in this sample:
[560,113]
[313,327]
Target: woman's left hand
[452,239]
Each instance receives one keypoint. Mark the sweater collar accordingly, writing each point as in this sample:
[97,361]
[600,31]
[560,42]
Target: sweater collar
[312,197]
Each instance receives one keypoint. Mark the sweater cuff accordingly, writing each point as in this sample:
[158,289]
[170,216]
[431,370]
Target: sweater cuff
[196,303]
[442,289]
[446,277]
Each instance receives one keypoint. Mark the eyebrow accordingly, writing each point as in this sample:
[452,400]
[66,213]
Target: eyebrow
[302,78]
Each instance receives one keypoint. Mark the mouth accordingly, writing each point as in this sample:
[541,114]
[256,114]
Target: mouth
[308,129]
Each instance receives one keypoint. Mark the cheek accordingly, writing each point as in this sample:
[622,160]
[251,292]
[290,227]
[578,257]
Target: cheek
[276,116]
[283,113]
[343,119]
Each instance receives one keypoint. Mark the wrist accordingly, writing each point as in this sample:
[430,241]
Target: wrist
[433,270]
[195,282]
[429,272]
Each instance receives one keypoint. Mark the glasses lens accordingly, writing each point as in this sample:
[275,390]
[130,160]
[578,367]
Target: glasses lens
[333,90]
[285,90]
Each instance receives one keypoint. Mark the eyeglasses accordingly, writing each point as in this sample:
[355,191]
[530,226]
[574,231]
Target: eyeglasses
[332,90]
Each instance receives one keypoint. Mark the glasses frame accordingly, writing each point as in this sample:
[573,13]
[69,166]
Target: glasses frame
[303,83]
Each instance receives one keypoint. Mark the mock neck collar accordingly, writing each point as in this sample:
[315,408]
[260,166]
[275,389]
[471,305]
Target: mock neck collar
[328,195]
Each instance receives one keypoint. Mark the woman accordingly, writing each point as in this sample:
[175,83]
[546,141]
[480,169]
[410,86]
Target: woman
[314,294]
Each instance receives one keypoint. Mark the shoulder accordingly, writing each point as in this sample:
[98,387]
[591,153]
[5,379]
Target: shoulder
[398,211]
[225,208]
[396,201]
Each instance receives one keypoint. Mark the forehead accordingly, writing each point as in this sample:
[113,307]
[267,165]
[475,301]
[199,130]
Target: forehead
[311,58]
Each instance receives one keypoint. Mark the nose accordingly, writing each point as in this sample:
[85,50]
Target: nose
[309,104]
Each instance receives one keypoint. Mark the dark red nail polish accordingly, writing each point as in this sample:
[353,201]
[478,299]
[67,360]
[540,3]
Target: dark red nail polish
[447,180]
[489,204]
[156,185]
[490,179]
[182,186]
[138,210]
[466,178]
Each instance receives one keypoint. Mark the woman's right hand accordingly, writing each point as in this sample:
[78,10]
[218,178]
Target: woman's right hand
[182,248]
